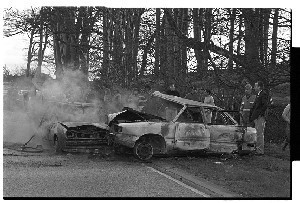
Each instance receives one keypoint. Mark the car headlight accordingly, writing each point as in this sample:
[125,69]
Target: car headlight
[70,134]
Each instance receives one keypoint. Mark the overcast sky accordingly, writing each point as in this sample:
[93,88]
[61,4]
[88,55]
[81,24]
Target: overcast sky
[14,50]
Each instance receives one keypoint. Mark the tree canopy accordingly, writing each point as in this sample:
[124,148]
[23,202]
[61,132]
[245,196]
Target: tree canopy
[216,48]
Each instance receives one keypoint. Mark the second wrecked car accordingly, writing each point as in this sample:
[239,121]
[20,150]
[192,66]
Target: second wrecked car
[185,128]
[70,136]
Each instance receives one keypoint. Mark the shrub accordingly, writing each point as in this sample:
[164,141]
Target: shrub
[275,125]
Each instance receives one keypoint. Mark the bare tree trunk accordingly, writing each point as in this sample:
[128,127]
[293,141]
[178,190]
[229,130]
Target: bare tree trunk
[87,25]
[29,53]
[266,25]
[118,49]
[128,26]
[253,70]
[63,20]
[197,25]
[40,58]
[163,49]
[145,54]
[157,42]
[169,52]
[232,18]
[207,36]
[274,39]
[175,57]
[105,64]
[238,49]
[185,25]
[137,21]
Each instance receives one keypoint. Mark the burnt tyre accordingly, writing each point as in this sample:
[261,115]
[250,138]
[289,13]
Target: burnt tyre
[143,150]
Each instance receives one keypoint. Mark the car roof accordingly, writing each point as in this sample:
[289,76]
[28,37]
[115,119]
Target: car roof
[182,101]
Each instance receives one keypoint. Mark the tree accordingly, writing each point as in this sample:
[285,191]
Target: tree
[219,47]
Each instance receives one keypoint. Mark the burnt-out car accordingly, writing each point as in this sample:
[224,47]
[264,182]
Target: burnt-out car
[184,127]
[79,136]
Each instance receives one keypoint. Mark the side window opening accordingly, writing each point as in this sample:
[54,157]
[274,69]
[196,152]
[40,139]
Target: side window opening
[191,115]
[220,118]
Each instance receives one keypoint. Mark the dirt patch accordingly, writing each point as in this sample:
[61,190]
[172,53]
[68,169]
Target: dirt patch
[250,176]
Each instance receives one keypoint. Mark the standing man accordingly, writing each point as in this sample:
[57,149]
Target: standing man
[286,115]
[208,100]
[257,114]
[247,104]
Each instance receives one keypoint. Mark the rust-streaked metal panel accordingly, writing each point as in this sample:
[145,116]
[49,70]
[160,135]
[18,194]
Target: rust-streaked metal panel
[191,136]
[127,140]
[224,138]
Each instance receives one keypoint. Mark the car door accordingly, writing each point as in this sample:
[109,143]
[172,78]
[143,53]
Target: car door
[191,133]
[225,133]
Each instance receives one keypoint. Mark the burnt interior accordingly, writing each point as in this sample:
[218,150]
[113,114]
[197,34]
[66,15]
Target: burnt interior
[131,115]
[86,131]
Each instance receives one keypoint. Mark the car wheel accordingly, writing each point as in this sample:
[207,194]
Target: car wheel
[143,150]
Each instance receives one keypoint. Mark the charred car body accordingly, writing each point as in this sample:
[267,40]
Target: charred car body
[184,128]
[79,136]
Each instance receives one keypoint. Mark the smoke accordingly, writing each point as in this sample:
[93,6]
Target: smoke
[68,99]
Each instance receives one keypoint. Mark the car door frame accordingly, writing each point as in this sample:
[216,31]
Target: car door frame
[190,140]
[225,137]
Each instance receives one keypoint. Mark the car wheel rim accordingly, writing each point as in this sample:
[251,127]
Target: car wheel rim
[144,151]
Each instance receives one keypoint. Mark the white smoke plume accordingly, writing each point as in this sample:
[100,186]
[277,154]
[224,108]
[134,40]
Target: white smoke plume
[58,100]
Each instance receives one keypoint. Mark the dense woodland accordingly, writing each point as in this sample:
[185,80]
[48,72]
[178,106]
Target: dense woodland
[213,48]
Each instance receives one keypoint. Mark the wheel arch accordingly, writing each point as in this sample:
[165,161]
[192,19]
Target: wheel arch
[156,140]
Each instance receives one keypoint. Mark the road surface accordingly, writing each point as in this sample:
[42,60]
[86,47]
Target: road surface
[50,175]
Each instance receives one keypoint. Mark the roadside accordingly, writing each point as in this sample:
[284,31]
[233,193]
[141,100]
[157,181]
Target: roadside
[265,176]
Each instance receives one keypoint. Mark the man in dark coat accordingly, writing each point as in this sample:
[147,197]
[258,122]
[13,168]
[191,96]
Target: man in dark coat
[257,114]
[172,91]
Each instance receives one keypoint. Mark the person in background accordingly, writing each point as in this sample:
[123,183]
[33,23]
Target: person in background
[133,100]
[286,115]
[246,105]
[107,96]
[145,97]
[208,99]
[117,99]
[172,90]
[194,94]
[26,98]
[171,108]
[257,114]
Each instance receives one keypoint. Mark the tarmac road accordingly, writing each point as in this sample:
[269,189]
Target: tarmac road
[49,175]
